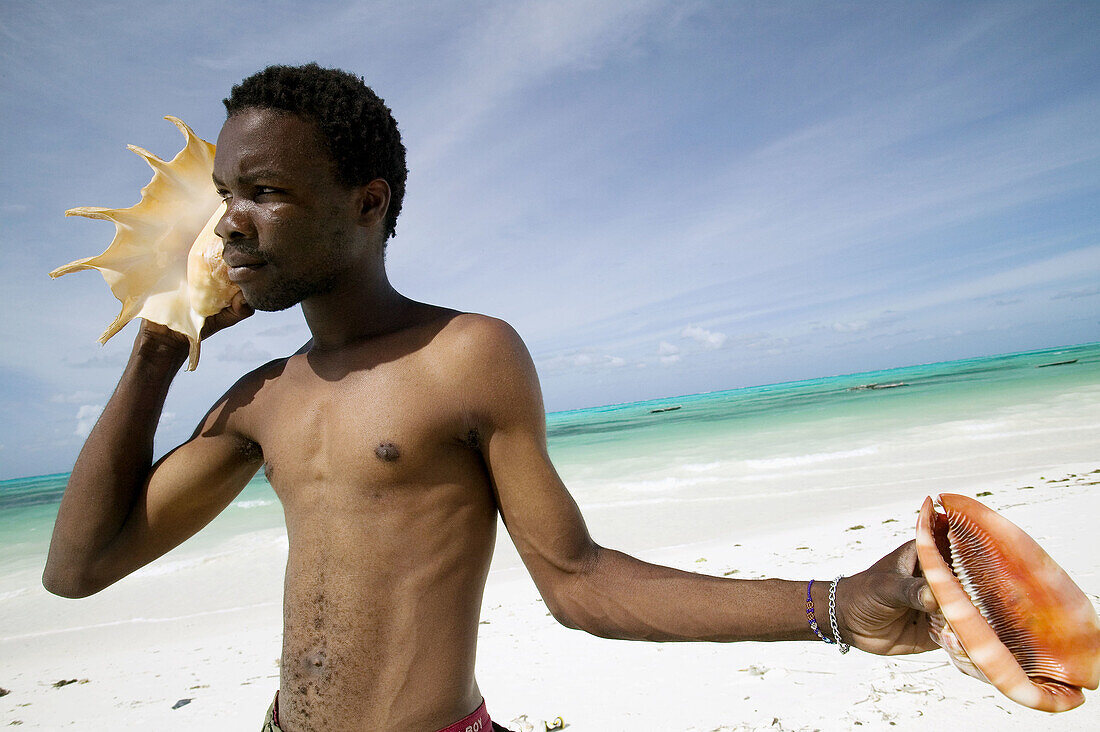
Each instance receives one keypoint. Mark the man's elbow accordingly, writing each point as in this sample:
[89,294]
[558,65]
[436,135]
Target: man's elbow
[64,582]
[565,595]
[577,617]
[62,588]
[563,615]
[576,608]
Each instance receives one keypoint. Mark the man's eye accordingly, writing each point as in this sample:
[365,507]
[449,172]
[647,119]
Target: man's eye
[265,190]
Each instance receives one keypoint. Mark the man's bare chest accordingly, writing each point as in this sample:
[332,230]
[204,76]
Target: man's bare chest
[373,430]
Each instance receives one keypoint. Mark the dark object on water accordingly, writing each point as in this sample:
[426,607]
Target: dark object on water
[1056,363]
[665,409]
[181,703]
[63,682]
[862,387]
[4,692]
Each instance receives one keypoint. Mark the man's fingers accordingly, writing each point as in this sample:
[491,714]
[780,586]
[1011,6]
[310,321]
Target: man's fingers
[902,560]
[913,591]
[918,595]
[907,588]
[239,308]
[236,311]
[906,557]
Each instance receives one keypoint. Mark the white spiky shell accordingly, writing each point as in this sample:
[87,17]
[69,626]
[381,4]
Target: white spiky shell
[165,262]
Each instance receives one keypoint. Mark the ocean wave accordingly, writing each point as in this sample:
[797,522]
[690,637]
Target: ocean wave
[12,593]
[808,459]
[974,426]
[702,467]
[255,503]
[139,621]
[157,569]
[667,483]
[231,548]
[679,500]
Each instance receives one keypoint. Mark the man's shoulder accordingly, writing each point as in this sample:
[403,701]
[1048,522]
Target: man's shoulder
[248,386]
[476,340]
[489,363]
[471,329]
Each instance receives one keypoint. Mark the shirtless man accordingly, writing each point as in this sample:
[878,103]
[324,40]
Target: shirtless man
[393,439]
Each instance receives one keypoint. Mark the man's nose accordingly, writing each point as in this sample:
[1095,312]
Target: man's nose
[234,223]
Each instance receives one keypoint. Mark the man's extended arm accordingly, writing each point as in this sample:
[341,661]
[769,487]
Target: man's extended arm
[118,511]
[608,593]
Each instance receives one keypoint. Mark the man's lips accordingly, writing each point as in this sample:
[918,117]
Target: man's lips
[242,266]
[237,259]
[237,275]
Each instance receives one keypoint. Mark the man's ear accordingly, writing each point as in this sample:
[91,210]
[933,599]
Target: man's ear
[374,202]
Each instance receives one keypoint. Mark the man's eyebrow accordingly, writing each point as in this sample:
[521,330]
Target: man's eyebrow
[252,176]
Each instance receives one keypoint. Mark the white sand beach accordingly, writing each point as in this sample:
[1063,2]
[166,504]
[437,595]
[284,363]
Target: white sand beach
[179,633]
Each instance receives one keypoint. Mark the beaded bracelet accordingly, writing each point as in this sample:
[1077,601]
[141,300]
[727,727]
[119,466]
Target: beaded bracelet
[810,614]
[841,646]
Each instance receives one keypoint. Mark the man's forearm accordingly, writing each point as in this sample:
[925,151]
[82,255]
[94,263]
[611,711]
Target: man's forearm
[623,597]
[112,467]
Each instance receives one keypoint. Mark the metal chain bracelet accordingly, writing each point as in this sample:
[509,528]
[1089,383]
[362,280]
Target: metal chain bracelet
[844,647]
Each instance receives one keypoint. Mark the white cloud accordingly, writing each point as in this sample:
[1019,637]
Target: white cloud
[286,329]
[767,342]
[580,360]
[709,338]
[86,417]
[245,351]
[1051,271]
[852,327]
[669,354]
[75,398]
[111,360]
[515,46]
[1077,294]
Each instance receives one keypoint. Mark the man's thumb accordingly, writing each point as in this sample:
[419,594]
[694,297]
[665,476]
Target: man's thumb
[919,595]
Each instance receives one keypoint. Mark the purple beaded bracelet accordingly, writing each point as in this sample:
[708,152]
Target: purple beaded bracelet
[810,614]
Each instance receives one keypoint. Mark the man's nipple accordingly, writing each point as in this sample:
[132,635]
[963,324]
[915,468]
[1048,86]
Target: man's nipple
[387,452]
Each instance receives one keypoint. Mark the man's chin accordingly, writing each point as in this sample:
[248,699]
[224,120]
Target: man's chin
[283,294]
[270,302]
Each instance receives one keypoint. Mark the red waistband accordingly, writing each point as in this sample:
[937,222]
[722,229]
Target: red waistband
[478,721]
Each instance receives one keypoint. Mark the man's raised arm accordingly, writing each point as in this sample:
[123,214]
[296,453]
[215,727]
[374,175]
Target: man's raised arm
[119,511]
[608,593]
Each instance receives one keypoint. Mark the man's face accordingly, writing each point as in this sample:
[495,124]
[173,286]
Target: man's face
[289,227]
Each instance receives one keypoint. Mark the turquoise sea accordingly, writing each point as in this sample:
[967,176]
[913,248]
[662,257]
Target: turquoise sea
[821,442]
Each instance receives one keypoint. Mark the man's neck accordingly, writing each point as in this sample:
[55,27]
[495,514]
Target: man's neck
[358,308]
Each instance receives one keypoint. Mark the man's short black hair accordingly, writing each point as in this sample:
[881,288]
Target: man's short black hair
[355,124]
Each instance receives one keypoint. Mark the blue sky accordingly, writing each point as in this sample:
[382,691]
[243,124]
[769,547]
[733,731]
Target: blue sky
[662,197]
